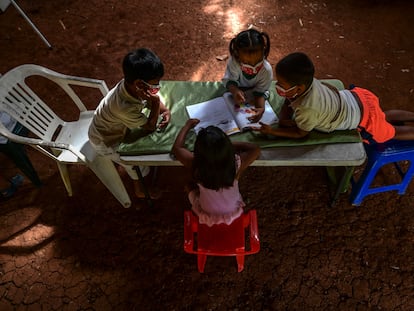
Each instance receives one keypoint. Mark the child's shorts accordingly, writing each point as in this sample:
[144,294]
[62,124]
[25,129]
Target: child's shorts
[373,121]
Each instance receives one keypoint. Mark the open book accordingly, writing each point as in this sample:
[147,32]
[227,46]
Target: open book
[225,114]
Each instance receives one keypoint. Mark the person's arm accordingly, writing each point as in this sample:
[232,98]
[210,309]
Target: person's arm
[285,115]
[286,112]
[261,91]
[230,81]
[179,150]
[151,124]
[248,152]
[259,107]
[155,106]
[287,132]
[238,94]
[165,115]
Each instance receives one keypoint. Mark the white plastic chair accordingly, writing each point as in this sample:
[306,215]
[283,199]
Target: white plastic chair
[65,142]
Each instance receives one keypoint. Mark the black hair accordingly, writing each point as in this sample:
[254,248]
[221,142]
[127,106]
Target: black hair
[214,164]
[296,68]
[142,64]
[250,41]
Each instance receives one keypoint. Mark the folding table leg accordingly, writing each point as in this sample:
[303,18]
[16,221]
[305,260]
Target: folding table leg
[343,181]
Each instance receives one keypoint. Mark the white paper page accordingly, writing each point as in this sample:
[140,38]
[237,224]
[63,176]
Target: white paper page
[213,112]
[241,112]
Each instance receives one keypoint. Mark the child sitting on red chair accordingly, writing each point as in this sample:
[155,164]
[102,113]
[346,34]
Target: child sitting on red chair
[216,165]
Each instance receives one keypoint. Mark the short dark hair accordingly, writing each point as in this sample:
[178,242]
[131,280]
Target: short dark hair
[296,68]
[142,64]
[214,164]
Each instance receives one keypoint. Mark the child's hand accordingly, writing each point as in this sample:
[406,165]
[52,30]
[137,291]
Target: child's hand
[146,95]
[264,128]
[257,116]
[166,117]
[191,123]
[238,96]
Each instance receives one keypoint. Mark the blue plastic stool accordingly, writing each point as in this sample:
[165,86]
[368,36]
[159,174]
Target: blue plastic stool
[379,155]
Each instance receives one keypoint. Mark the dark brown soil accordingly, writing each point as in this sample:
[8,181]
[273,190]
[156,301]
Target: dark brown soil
[86,252]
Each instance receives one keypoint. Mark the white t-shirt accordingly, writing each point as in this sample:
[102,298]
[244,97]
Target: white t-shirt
[117,112]
[259,84]
[325,109]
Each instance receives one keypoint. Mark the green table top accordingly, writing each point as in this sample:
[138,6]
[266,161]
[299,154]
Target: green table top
[177,94]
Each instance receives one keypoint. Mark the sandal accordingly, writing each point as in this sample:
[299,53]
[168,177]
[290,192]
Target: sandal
[154,194]
[15,182]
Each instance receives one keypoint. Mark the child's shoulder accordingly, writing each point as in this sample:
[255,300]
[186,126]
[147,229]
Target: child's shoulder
[268,66]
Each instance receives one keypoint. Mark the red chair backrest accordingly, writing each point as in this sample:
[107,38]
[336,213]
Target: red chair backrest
[222,239]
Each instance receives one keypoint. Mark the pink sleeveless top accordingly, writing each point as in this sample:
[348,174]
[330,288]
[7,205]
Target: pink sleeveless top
[215,207]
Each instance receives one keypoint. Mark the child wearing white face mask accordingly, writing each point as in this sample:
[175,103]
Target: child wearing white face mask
[132,103]
[248,70]
[314,105]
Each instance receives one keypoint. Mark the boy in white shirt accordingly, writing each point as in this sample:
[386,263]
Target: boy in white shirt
[313,105]
[122,109]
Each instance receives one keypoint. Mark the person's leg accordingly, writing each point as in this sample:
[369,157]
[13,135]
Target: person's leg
[103,150]
[398,117]
[139,185]
[9,187]
[404,132]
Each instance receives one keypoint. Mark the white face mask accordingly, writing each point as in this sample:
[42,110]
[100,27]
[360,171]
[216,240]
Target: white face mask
[252,70]
[152,88]
[282,92]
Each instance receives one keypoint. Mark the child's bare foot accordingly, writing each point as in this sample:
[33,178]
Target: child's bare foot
[154,193]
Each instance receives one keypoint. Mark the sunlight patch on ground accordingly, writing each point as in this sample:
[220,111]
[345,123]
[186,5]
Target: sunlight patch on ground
[214,7]
[231,17]
[32,237]
[234,25]
[200,74]
[17,221]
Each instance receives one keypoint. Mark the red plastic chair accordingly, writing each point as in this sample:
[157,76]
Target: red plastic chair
[222,239]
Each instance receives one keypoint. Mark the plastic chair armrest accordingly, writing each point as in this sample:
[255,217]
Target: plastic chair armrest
[66,81]
[40,144]
[69,81]
[254,232]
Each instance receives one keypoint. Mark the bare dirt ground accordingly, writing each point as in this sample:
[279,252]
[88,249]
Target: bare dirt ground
[86,252]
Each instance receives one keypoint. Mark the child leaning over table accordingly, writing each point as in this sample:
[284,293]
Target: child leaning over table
[216,165]
[122,109]
[311,104]
[248,72]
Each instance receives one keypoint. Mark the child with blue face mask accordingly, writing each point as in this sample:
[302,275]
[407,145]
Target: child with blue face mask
[248,72]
